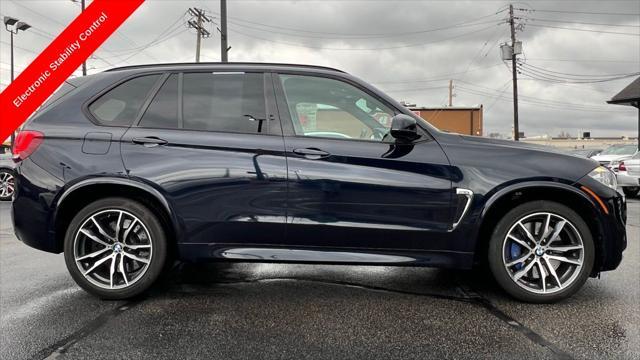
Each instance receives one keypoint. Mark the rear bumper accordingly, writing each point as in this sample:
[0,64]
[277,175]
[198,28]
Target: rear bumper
[626,180]
[31,212]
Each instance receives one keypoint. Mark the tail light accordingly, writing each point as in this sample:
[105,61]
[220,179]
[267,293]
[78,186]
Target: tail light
[26,143]
[622,167]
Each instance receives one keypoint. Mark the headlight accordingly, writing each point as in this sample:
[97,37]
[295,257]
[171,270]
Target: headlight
[605,177]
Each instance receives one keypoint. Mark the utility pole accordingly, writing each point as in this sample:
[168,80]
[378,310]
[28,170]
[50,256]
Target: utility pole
[84,63]
[514,71]
[200,16]
[224,48]
[450,93]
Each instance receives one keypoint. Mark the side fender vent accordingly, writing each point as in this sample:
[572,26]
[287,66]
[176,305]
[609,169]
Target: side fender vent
[464,198]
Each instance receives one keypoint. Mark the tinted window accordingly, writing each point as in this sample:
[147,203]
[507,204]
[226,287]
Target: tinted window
[163,110]
[230,102]
[330,108]
[121,105]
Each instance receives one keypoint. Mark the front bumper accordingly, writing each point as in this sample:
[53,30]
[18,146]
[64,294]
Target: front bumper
[610,218]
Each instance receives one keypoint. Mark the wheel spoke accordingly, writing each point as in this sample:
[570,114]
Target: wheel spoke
[96,264]
[118,225]
[527,232]
[519,260]
[553,273]
[112,270]
[100,230]
[547,229]
[93,254]
[558,228]
[520,242]
[565,248]
[522,272]
[136,247]
[126,232]
[543,276]
[136,258]
[564,259]
[124,274]
[93,237]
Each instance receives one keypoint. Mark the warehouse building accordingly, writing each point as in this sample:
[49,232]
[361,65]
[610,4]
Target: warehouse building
[458,119]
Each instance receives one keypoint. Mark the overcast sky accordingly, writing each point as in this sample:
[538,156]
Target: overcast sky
[410,49]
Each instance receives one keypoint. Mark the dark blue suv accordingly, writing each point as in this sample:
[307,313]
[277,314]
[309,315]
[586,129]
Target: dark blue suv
[128,169]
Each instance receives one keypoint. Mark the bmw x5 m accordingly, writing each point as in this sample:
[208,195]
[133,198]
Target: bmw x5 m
[128,169]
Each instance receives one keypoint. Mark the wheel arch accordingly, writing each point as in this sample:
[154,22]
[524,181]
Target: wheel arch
[511,196]
[82,193]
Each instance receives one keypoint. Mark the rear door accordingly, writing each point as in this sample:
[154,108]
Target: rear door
[208,141]
[350,184]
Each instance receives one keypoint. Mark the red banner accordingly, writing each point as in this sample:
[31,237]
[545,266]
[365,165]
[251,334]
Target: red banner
[60,59]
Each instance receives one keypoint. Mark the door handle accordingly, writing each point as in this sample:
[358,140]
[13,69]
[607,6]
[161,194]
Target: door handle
[311,153]
[149,141]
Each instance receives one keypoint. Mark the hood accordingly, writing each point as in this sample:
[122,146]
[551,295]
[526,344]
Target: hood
[512,144]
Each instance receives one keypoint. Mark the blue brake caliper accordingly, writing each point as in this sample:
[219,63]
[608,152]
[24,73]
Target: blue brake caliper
[516,252]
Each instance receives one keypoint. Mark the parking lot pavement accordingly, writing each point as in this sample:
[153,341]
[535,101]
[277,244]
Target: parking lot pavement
[243,311]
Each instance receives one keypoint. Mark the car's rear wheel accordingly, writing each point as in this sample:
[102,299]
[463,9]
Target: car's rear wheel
[7,184]
[115,248]
[541,252]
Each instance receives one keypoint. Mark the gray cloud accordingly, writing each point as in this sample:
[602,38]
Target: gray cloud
[336,33]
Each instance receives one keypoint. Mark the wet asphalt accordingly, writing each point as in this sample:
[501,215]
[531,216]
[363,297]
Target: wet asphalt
[240,311]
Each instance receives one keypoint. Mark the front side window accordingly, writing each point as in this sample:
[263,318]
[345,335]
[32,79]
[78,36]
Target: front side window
[120,105]
[228,102]
[322,107]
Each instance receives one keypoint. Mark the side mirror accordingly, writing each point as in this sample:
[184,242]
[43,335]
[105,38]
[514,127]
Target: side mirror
[404,128]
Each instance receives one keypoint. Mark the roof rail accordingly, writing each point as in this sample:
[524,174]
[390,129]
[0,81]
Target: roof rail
[220,63]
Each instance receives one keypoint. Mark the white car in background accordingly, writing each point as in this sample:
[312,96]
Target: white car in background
[629,175]
[614,154]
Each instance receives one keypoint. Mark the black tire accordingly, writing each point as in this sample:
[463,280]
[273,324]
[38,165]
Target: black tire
[495,253]
[157,238]
[6,195]
[631,192]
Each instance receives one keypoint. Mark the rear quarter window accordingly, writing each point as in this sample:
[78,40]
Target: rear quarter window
[120,105]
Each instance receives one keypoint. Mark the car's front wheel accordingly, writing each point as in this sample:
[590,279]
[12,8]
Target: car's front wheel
[541,252]
[115,248]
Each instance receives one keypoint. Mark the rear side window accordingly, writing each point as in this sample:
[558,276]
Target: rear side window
[120,105]
[163,110]
[227,102]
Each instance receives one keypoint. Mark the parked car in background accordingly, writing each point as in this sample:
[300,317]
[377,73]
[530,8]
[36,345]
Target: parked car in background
[611,156]
[7,181]
[629,175]
[585,153]
[290,163]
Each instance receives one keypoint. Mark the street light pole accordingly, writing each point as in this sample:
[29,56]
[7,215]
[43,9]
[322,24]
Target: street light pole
[13,25]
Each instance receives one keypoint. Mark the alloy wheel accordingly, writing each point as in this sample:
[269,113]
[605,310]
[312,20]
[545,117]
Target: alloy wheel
[543,253]
[7,184]
[113,249]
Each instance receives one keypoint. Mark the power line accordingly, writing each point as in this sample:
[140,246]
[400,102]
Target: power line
[582,23]
[361,49]
[579,75]
[587,30]
[582,12]
[357,35]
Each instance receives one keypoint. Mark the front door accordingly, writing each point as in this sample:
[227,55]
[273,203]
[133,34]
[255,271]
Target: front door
[207,142]
[351,186]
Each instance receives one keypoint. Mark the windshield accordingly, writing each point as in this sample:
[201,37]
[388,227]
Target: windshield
[620,150]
